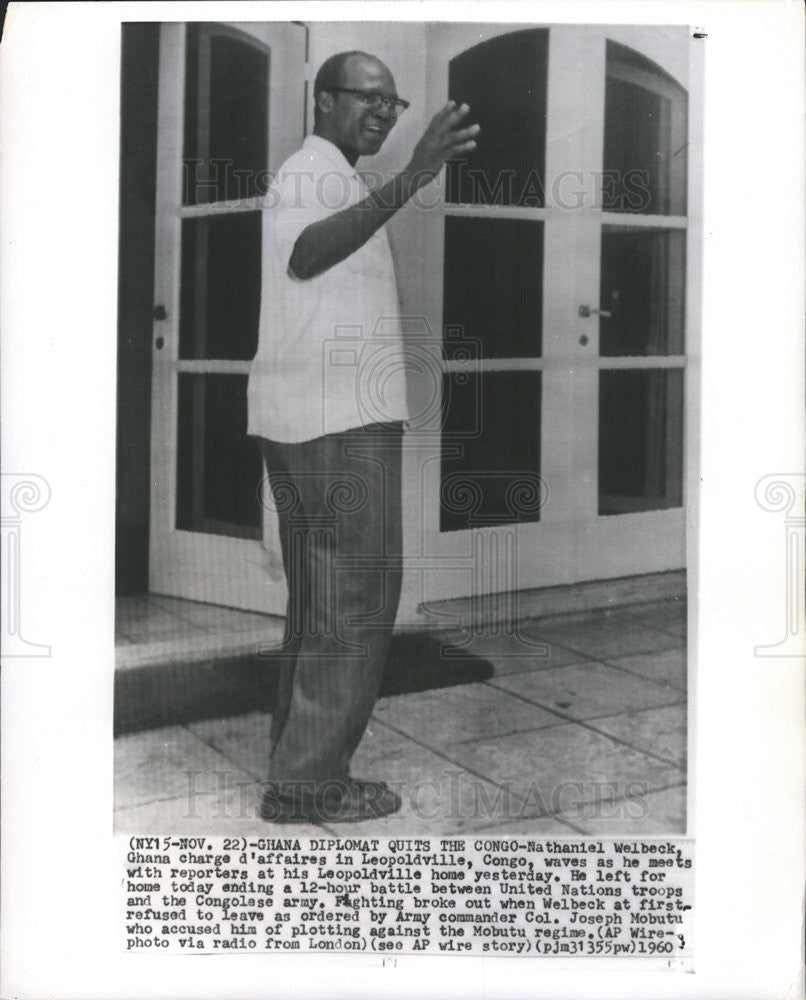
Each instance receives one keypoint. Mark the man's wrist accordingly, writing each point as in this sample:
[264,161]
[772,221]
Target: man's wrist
[395,193]
[413,179]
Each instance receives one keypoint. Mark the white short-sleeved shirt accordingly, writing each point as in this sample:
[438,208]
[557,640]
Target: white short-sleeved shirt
[330,352]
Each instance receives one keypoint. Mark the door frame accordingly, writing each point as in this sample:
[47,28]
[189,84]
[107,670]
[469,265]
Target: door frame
[213,568]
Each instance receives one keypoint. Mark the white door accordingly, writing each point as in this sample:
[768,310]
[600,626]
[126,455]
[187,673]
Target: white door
[231,109]
[564,274]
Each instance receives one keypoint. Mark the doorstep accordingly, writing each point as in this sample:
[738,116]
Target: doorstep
[233,633]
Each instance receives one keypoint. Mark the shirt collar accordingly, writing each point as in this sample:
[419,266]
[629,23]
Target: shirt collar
[332,152]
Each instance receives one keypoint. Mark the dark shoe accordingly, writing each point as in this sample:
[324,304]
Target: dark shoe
[346,801]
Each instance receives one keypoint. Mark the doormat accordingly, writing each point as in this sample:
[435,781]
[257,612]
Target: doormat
[176,693]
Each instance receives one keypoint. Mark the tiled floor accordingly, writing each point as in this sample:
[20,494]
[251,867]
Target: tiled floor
[580,728]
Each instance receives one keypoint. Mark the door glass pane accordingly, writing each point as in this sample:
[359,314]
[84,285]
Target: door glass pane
[220,287]
[504,82]
[219,468]
[494,285]
[646,136]
[493,420]
[226,115]
[640,440]
[643,288]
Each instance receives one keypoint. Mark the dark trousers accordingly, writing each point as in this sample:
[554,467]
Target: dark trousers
[338,500]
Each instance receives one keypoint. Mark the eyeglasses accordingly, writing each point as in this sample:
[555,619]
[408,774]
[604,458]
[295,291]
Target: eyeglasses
[372,100]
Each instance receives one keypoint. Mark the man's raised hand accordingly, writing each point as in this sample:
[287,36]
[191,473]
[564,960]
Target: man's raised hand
[445,138]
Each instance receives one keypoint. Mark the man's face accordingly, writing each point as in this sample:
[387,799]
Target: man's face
[355,129]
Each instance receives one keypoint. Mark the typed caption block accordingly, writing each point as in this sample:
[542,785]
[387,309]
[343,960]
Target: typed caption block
[478,896]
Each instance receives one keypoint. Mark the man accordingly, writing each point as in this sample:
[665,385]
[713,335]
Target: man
[327,402]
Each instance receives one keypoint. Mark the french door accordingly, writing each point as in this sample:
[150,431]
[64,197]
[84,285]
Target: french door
[561,295]
[564,288]
[231,109]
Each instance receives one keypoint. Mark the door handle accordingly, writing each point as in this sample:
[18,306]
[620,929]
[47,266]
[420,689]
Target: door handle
[586,311]
[159,312]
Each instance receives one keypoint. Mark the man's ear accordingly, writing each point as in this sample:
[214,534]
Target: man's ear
[325,101]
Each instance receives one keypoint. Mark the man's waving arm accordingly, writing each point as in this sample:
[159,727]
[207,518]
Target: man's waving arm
[330,241]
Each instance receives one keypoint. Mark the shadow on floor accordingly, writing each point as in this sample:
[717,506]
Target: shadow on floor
[170,694]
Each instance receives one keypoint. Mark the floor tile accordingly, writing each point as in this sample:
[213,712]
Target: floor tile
[605,638]
[381,740]
[211,616]
[466,712]
[168,763]
[555,769]
[133,607]
[668,668]
[510,654]
[438,796]
[620,615]
[661,731]
[660,812]
[151,624]
[242,739]
[535,826]
[199,644]
[584,691]
[230,811]
[669,616]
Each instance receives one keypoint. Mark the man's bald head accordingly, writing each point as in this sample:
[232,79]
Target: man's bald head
[335,71]
[348,112]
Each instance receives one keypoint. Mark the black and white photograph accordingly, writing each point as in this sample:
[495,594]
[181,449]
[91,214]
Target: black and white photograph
[402,499]
[407,421]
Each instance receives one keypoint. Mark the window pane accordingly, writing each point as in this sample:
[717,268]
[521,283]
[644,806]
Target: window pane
[494,418]
[646,136]
[494,285]
[643,286]
[640,440]
[220,290]
[226,115]
[504,82]
[219,468]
